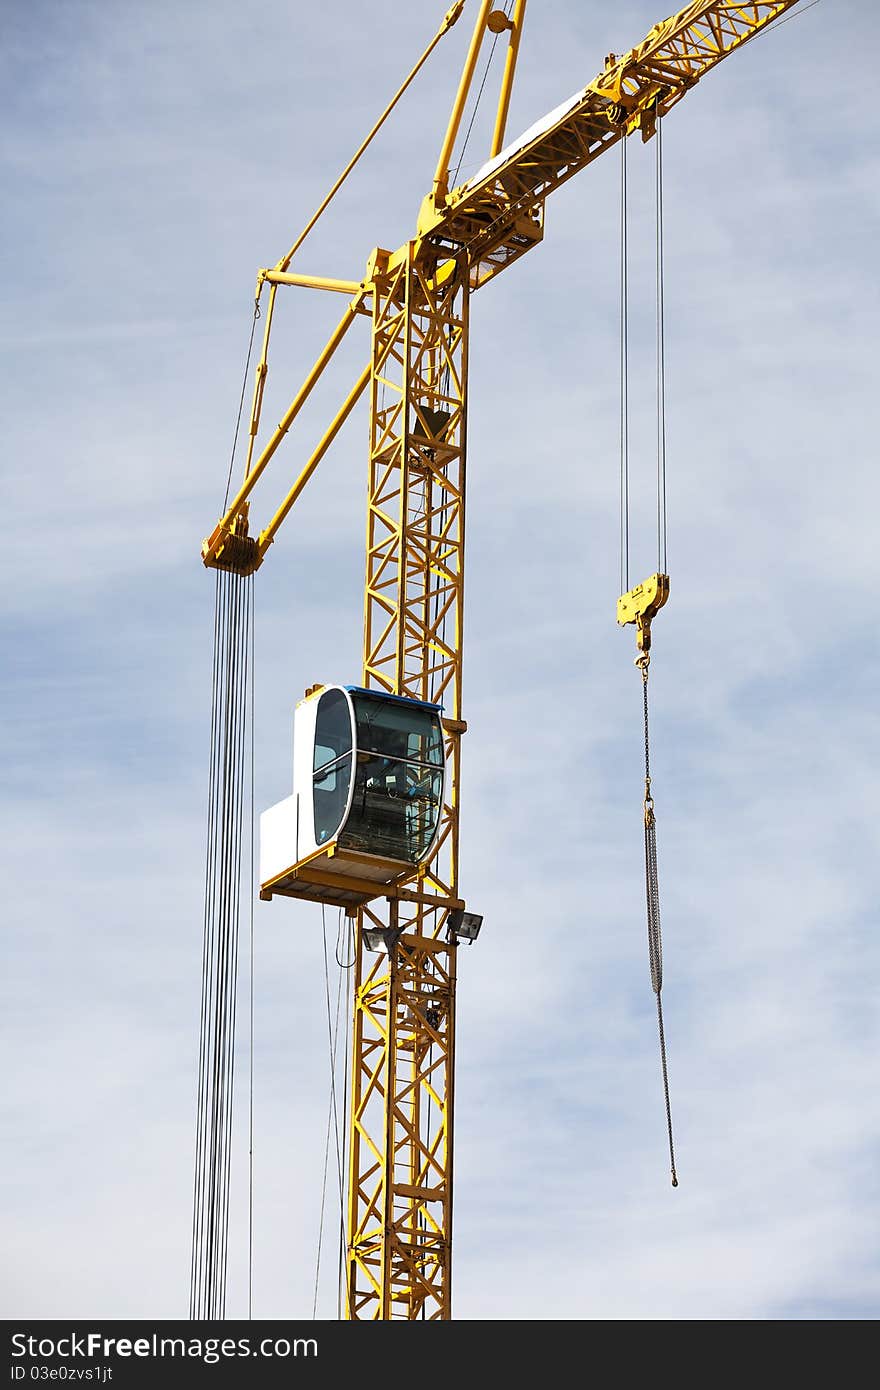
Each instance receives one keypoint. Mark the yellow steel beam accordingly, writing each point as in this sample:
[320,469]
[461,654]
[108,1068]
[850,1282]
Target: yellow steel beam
[498,215]
[311,282]
[486,214]
[214,544]
[260,377]
[677,52]
[267,535]
[441,176]
[219,541]
[514,24]
[450,18]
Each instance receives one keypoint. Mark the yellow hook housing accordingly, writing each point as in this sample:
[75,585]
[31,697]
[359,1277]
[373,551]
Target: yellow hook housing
[641,605]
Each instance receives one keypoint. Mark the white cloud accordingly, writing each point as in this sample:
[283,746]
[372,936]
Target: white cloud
[153,163]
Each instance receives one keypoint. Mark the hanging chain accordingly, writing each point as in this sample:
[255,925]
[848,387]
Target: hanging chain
[652,898]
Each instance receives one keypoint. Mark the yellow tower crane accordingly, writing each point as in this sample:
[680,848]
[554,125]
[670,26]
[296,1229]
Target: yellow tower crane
[417,301]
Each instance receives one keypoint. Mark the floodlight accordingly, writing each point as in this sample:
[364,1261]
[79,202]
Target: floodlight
[382,939]
[376,939]
[464,926]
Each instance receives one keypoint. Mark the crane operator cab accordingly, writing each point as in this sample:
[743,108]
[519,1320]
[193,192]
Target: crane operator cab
[367,797]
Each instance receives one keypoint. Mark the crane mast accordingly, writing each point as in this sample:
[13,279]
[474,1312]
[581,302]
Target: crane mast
[400,1161]
[399,1233]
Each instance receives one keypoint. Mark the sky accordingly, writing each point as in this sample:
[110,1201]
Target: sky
[154,156]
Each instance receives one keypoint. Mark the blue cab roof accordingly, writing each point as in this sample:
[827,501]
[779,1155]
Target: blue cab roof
[394,699]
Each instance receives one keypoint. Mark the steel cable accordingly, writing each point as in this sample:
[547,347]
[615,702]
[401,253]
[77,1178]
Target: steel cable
[624,380]
[652,899]
[232,666]
[652,888]
[453,181]
[333,1106]
[241,399]
[253,892]
[661,364]
[346,965]
[332,1112]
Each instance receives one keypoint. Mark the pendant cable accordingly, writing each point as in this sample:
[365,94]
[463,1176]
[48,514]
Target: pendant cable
[647,612]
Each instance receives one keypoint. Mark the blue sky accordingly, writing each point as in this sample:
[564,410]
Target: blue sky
[154,156]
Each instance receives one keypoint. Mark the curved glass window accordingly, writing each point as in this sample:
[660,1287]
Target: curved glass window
[332,728]
[332,764]
[398,730]
[398,780]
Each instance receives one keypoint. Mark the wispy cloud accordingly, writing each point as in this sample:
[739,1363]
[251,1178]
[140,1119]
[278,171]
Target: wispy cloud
[154,157]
